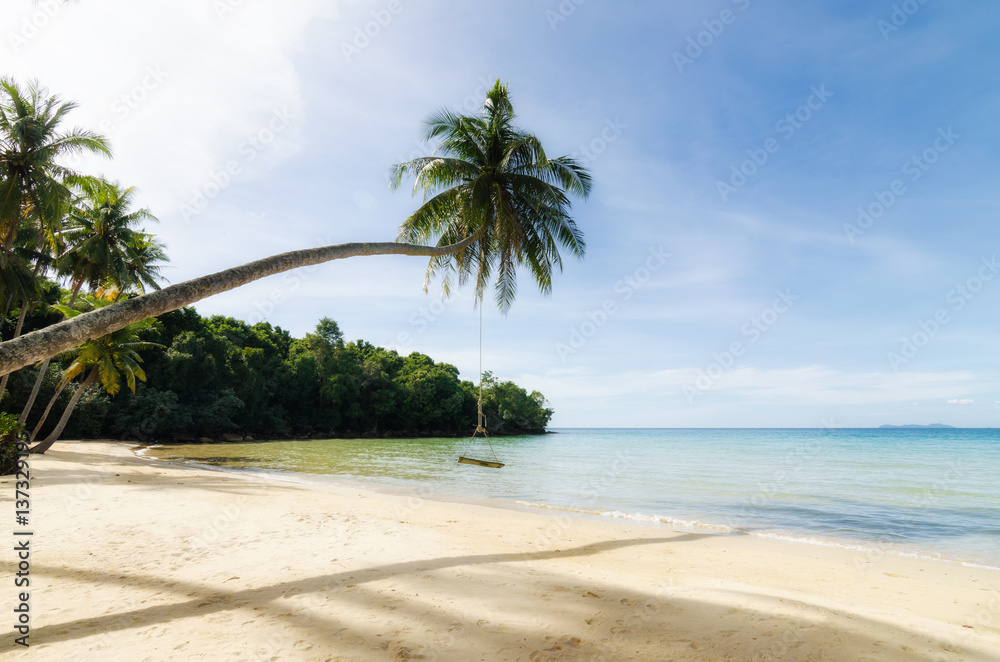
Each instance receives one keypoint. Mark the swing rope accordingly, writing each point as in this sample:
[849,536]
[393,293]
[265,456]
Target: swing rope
[481,424]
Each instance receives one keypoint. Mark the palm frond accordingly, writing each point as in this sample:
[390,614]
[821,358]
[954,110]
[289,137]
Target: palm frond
[489,179]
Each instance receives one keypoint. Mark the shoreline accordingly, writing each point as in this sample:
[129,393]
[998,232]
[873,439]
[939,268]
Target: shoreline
[148,559]
[866,546]
[390,434]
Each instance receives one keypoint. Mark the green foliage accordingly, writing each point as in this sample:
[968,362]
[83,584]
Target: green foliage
[509,408]
[32,184]
[104,245]
[39,314]
[9,430]
[151,413]
[115,356]
[90,416]
[217,375]
[490,180]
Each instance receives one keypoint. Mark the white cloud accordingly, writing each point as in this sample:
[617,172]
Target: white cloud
[815,385]
[964,402]
[178,88]
[198,82]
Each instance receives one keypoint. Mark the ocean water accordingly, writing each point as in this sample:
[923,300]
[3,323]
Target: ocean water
[913,492]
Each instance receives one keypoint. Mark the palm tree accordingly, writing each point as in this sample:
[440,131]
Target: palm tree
[491,180]
[147,256]
[109,359]
[510,216]
[18,280]
[32,183]
[43,368]
[33,186]
[101,238]
[106,253]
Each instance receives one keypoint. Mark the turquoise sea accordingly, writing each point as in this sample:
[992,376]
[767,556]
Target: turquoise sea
[931,493]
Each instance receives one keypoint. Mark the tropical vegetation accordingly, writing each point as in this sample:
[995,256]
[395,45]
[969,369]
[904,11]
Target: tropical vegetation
[513,201]
[223,379]
[74,250]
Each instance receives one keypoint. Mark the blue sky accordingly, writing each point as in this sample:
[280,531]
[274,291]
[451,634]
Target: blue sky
[731,278]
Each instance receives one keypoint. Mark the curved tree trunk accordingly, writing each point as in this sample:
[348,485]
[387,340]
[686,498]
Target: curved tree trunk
[17,332]
[45,414]
[54,436]
[23,418]
[75,291]
[70,333]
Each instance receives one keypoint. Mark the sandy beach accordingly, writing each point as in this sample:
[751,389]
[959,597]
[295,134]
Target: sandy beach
[133,559]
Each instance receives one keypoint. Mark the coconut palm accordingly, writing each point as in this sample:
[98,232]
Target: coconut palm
[491,180]
[101,237]
[111,359]
[509,205]
[146,257]
[19,280]
[32,183]
[142,269]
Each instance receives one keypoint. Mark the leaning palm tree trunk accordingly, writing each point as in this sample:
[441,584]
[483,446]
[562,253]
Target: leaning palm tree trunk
[45,414]
[61,425]
[23,418]
[65,335]
[17,332]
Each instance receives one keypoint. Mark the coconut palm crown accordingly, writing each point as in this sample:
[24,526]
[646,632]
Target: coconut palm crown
[102,239]
[115,357]
[490,180]
[32,184]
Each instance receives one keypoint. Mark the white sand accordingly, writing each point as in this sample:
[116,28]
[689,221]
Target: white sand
[137,560]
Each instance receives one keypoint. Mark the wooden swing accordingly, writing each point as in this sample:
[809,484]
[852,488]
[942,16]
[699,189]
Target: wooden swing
[481,427]
[481,424]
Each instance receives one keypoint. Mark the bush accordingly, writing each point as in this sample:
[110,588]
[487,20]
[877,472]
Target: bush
[9,437]
[150,414]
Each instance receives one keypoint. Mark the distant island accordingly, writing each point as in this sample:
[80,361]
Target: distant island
[932,426]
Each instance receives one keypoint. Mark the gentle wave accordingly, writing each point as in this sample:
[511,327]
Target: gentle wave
[695,525]
[871,551]
[642,518]
[872,491]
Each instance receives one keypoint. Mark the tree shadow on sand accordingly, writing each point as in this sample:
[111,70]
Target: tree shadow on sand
[573,618]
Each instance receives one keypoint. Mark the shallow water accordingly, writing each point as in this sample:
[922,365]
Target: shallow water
[927,493]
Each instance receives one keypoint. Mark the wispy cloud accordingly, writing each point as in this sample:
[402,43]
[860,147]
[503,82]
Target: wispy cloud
[184,87]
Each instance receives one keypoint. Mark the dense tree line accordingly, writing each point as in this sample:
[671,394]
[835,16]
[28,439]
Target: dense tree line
[222,378]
